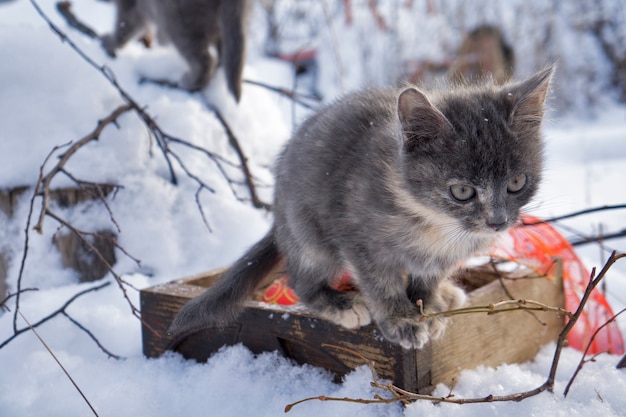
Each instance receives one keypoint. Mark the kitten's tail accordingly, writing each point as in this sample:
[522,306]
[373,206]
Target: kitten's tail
[232,20]
[222,303]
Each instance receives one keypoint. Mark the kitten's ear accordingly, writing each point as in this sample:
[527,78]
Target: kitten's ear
[420,120]
[527,99]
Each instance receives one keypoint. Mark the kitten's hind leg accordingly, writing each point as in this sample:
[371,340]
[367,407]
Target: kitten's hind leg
[310,282]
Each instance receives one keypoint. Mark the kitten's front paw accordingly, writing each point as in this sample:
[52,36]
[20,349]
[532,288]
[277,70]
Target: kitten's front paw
[409,332]
[447,297]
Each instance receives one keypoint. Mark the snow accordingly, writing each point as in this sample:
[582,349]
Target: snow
[49,96]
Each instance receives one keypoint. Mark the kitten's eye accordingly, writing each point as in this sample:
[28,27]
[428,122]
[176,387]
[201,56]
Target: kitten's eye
[516,184]
[462,192]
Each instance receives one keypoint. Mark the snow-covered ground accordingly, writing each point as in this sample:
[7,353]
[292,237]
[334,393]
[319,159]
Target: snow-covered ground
[49,96]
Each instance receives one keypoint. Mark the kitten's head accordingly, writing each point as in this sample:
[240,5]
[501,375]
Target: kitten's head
[475,153]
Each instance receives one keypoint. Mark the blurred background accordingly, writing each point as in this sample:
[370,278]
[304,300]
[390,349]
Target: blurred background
[343,44]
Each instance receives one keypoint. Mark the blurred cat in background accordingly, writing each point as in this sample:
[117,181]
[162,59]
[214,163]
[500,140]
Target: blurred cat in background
[207,33]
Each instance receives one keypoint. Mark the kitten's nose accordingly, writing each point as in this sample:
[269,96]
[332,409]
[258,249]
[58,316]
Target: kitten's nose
[496,225]
[497,219]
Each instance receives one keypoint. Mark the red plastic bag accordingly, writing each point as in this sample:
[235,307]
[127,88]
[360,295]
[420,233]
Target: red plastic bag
[537,245]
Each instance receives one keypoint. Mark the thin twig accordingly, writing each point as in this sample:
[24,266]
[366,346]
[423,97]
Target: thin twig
[582,238]
[296,97]
[234,143]
[100,193]
[495,308]
[43,184]
[599,238]
[29,218]
[8,297]
[575,214]
[32,328]
[582,359]
[42,189]
[495,269]
[593,283]
[91,335]
[50,316]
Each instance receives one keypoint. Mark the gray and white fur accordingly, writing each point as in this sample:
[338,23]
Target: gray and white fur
[192,26]
[398,187]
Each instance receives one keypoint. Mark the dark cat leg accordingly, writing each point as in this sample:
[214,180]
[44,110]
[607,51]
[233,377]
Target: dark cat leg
[385,293]
[201,64]
[448,296]
[399,320]
[130,22]
[310,282]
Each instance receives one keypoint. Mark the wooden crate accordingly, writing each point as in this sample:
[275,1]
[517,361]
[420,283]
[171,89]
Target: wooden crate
[469,341]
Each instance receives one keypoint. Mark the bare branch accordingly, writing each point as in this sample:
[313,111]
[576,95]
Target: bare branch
[577,213]
[234,143]
[582,359]
[91,335]
[101,191]
[50,316]
[8,297]
[599,238]
[582,239]
[43,185]
[296,97]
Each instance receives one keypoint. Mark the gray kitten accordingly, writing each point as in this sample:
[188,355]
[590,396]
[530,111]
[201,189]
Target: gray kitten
[398,187]
[192,26]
